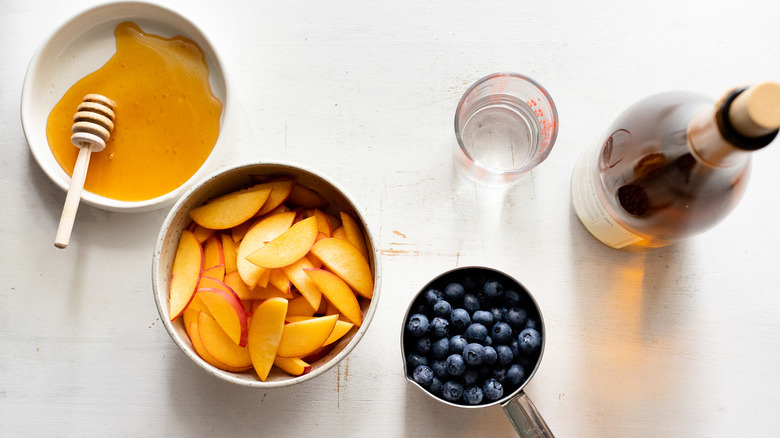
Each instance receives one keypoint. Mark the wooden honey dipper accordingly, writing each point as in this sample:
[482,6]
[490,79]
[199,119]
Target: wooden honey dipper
[93,123]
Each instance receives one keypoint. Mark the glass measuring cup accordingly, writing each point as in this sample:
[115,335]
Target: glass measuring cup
[505,125]
[516,404]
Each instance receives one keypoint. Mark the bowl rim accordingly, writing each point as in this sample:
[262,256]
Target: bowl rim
[161,301]
[133,10]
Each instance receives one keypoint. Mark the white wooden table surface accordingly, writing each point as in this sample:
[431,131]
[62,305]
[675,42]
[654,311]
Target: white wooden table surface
[682,341]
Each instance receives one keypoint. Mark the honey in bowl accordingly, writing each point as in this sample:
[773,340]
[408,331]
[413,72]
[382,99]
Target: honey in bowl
[167,118]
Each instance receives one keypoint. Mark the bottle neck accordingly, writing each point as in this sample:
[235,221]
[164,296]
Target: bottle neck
[724,134]
[707,143]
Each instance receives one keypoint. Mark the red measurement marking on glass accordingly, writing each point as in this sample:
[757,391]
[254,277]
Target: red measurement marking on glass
[497,90]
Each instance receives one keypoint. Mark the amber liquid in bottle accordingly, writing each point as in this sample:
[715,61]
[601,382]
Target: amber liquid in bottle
[662,173]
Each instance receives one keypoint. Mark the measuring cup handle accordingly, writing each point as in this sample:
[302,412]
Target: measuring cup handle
[525,418]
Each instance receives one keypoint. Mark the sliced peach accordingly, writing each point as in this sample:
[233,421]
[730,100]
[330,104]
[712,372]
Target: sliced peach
[344,259]
[338,293]
[213,254]
[229,252]
[197,345]
[198,305]
[234,282]
[354,235]
[263,231]
[323,225]
[319,353]
[305,285]
[228,311]
[306,197]
[288,247]
[304,337]
[264,293]
[264,278]
[201,233]
[341,329]
[279,280]
[229,210]
[265,333]
[219,345]
[239,231]
[300,306]
[217,273]
[185,273]
[339,233]
[280,191]
[292,365]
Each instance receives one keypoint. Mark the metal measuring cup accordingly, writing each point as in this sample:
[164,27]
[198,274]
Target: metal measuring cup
[518,407]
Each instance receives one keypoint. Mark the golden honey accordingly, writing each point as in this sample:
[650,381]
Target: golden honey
[167,118]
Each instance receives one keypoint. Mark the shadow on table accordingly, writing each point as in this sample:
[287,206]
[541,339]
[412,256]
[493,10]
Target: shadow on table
[426,417]
[632,310]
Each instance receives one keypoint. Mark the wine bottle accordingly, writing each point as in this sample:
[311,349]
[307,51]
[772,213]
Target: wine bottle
[672,165]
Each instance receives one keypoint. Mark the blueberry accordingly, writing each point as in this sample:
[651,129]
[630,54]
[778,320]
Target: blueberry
[483,317]
[423,375]
[531,323]
[414,360]
[456,366]
[476,332]
[442,308]
[529,341]
[471,303]
[498,314]
[440,327]
[439,368]
[488,341]
[435,386]
[470,377]
[457,344]
[460,319]
[417,325]
[474,354]
[454,292]
[452,391]
[440,348]
[501,333]
[516,317]
[528,362]
[423,345]
[499,374]
[515,347]
[493,290]
[512,298]
[472,395]
[490,356]
[432,296]
[515,375]
[492,390]
[505,356]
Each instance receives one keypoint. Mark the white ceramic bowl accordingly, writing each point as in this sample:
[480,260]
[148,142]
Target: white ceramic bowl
[84,44]
[228,180]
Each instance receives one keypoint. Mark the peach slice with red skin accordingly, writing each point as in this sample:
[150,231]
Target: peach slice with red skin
[264,231]
[289,247]
[345,260]
[265,333]
[293,365]
[185,273]
[227,309]
[302,282]
[304,337]
[279,280]
[338,293]
[197,345]
[229,210]
[219,345]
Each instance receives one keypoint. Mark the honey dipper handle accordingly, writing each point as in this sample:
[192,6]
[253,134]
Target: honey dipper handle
[72,199]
